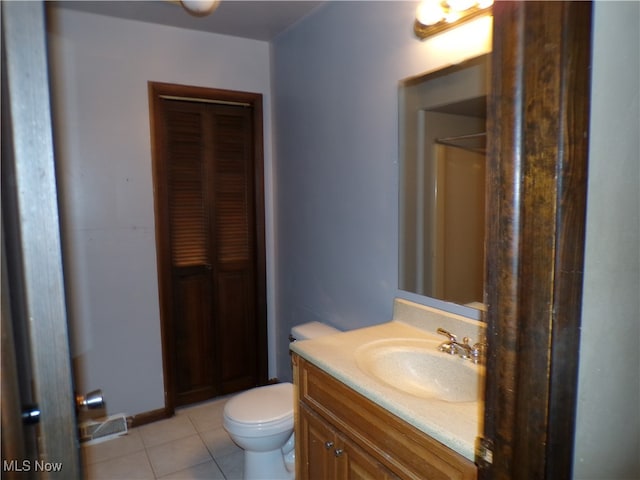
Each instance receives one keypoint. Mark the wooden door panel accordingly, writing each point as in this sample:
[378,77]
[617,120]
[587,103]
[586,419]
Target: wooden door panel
[187,186]
[236,321]
[190,251]
[234,233]
[234,230]
[194,340]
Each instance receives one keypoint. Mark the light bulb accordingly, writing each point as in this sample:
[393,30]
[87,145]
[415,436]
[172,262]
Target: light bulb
[452,16]
[200,8]
[429,12]
[461,5]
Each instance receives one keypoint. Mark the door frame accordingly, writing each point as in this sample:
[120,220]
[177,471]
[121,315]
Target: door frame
[157,92]
[33,293]
[538,125]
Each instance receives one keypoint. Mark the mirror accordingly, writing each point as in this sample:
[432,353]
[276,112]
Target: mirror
[442,182]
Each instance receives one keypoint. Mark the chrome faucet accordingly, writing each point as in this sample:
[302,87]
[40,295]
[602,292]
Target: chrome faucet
[475,353]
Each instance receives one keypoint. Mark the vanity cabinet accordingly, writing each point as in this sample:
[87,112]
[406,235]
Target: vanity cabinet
[342,435]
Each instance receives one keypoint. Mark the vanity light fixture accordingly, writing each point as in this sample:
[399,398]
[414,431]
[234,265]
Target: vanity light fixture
[200,8]
[435,16]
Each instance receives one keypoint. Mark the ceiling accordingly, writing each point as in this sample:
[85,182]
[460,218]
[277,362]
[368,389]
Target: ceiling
[259,20]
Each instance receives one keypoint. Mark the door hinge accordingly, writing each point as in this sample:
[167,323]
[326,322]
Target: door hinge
[484,452]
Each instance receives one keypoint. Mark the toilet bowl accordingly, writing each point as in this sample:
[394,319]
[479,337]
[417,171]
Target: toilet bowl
[260,421]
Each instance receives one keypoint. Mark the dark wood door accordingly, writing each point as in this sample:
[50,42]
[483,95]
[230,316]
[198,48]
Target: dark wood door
[211,248]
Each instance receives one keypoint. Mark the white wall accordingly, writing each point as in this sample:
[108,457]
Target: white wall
[100,69]
[608,423]
[335,78]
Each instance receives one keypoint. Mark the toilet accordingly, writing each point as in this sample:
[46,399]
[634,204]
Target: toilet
[260,421]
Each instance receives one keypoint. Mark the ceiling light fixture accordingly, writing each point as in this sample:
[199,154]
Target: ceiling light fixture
[435,16]
[200,8]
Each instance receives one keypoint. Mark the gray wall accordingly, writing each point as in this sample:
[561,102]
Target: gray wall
[608,423]
[335,80]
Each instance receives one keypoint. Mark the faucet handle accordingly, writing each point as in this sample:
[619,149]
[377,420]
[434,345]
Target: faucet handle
[451,336]
[450,346]
[481,344]
[479,351]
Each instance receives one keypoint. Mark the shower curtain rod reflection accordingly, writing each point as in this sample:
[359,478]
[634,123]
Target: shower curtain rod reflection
[478,147]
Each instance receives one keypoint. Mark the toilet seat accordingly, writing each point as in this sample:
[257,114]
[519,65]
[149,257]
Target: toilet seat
[261,410]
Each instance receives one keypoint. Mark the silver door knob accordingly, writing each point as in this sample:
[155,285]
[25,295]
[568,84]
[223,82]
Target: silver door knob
[91,400]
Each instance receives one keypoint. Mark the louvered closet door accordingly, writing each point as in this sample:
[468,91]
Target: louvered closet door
[212,243]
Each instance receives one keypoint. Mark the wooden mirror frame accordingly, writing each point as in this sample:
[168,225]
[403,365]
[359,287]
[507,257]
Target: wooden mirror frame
[538,124]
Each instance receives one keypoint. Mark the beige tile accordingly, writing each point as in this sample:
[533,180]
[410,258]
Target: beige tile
[204,471]
[213,403]
[129,467]
[219,442]
[232,465]
[178,455]
[166,430]
[206,416]
[117,447]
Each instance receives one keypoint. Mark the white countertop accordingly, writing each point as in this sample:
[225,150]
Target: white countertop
[455,424]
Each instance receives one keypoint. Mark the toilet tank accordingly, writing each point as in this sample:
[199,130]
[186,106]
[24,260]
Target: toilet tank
[311,330]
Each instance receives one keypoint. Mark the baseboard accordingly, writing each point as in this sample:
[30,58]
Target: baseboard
[148,417]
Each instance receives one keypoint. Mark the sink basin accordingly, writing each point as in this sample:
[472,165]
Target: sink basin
[418,368]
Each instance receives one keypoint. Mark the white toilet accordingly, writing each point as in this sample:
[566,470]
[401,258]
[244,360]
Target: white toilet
[260,421]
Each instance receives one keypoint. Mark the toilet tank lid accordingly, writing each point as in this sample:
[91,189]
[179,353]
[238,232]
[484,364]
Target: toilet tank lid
[312,330]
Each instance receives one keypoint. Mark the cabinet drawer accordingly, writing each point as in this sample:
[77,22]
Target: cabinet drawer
[402,448]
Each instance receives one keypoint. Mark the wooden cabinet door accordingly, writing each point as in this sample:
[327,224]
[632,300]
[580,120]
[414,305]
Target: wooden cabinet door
[317,442]
[329,454]
[354,464]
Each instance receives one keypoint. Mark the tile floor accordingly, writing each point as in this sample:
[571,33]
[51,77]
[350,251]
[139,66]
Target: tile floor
[191,445]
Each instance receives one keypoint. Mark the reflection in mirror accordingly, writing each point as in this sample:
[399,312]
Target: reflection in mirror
[442,182]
